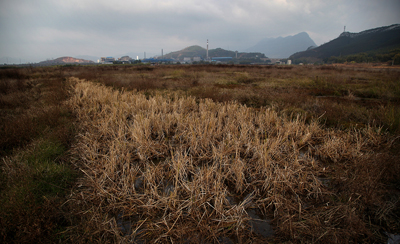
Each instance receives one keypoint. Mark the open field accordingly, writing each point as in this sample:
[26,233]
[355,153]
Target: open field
[345,96]
[212,154]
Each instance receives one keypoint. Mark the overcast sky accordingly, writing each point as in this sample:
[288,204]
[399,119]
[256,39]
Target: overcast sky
[36,30]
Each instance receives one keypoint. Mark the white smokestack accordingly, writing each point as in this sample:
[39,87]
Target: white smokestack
[207,49]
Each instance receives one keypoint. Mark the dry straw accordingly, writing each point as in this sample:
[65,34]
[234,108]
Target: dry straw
[169,168]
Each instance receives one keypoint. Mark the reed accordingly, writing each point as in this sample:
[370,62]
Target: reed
[169,167]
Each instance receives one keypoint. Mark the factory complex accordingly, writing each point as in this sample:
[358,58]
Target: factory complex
[194,55]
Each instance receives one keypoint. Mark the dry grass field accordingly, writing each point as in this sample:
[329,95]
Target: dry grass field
[207,154]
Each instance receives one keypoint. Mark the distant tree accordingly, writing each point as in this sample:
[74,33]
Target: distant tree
[387,56]
[136,61]
[245,62]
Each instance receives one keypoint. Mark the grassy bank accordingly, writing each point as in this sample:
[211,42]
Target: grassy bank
[36,133]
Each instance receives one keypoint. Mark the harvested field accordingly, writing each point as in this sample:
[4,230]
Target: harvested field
[171,168]
[199,154]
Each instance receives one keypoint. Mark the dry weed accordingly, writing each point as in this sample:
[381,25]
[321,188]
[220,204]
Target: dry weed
[170,168]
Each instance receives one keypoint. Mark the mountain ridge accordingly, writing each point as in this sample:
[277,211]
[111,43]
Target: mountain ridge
[283,47]
[347,43]
[198,51]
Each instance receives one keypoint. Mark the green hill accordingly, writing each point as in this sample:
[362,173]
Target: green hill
[192,51]
[374,40]
[197,51]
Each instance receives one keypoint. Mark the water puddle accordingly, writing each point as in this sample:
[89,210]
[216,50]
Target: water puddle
[232,200]
[226,240]
[157,161]
[259,223]
[325,181]
[303,154]
[169,188]
[306,154]
[124,224]
[139,184]
[393,238]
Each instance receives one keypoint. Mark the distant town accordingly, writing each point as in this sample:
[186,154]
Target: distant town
[189,60]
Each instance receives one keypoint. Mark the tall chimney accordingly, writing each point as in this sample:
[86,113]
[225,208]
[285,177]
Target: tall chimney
[162,53]
[207,49]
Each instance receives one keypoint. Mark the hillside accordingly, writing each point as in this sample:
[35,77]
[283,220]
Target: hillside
[66,60]
[192,51]
[197,51]
[382,38]
[92,58]
[283,47]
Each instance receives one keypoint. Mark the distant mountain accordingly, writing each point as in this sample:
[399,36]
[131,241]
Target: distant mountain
[66,60]
[382,38]
[283,47]
[198,51]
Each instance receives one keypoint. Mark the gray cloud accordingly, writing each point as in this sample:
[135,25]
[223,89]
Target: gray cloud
[42,29]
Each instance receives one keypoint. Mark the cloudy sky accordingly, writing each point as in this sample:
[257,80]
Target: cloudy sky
[36,30]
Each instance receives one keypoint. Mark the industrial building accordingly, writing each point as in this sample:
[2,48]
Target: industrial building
[107,60]
[124,58]
[158,61]
[221,59]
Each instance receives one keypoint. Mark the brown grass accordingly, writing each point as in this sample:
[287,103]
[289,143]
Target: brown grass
[166,168]
[200,154]
[310,90]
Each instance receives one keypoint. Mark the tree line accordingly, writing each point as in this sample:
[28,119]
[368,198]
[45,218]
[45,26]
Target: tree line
[391,57]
